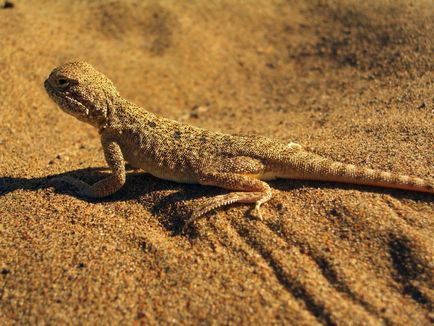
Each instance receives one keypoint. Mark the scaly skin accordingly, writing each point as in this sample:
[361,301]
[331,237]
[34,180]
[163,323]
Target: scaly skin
[173,151]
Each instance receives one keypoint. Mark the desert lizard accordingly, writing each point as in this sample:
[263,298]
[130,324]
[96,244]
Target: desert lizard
[178,152]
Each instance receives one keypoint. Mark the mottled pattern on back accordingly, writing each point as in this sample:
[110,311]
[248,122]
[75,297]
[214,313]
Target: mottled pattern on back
[183,147]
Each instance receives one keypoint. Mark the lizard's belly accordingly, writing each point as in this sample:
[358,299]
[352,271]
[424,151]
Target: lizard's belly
[268,176]
[171,175]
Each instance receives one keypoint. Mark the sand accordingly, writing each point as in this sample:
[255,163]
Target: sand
[350,80]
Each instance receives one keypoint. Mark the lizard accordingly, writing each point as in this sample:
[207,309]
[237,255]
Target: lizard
[179,152]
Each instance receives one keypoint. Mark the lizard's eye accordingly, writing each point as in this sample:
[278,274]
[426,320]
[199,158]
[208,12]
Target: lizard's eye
[62,82]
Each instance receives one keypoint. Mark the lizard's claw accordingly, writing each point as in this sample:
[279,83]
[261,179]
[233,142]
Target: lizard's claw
[257,211]
[195,216]
[185,226]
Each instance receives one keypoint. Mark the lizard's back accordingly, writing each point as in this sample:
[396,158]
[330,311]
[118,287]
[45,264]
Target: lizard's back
[175,151]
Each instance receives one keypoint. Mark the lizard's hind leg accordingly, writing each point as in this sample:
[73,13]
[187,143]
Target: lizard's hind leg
[227,199]
[249,190]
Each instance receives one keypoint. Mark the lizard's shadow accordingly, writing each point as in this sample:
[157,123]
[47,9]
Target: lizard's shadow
[90,175]
[170,202]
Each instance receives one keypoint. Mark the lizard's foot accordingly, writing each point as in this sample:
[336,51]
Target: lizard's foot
[208,205]
[263,199]
[189,221]
[102,188]
[257,211]
[222,200]
[82,188]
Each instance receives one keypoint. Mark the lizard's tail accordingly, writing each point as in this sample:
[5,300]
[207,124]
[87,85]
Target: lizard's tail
[308,166]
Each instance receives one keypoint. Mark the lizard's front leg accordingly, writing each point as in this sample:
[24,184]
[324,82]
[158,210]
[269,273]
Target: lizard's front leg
[109,185]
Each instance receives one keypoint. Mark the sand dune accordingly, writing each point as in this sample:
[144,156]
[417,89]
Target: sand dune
[347,79]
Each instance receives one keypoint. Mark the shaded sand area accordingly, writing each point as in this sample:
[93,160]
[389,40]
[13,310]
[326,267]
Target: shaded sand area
[351,80]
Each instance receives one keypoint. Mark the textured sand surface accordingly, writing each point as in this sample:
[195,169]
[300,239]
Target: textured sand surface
[350,80]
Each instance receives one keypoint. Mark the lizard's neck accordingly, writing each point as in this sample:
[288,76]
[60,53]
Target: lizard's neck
[121,110]
[115,106]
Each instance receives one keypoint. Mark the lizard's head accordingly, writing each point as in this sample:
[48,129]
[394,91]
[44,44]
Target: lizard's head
[82,91]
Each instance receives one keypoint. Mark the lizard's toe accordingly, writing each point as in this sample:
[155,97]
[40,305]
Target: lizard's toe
[81,188]
[257,212]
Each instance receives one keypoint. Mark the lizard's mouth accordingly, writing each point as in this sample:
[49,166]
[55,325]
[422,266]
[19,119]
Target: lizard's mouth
[66,102]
